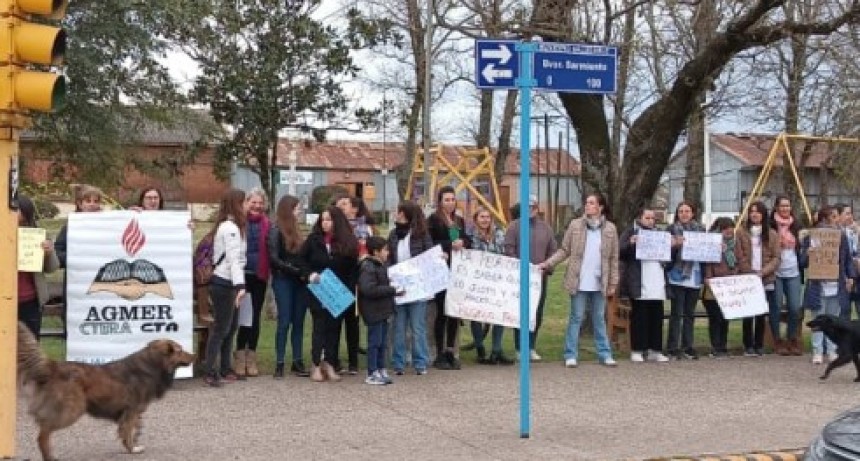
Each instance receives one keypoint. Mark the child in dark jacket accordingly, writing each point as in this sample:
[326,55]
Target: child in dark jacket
[376,304]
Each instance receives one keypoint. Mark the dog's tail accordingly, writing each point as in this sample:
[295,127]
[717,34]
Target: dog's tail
[33,364]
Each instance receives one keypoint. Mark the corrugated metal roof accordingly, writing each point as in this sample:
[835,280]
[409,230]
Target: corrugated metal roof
[752,149]
[363,155]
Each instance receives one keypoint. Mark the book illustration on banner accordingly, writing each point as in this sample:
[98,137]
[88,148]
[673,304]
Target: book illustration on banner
[334,296]
[131,280]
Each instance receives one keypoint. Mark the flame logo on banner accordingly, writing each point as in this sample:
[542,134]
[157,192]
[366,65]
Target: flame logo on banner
[133,238]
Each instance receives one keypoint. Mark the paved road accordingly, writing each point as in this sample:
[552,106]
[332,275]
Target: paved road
[590,413]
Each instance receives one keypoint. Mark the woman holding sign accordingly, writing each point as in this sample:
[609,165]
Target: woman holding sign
[590,247]
[644,283]
[825,296]
[684,284]
[449,230]
[330,245]
[787,284]
[409,239]
[734,260]
[32,286]
[763,243]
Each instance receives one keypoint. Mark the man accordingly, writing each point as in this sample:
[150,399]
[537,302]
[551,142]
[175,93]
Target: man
[849,227]
[542,246]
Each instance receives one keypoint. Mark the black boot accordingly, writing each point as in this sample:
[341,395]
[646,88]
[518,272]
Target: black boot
[298,369]
[279,371]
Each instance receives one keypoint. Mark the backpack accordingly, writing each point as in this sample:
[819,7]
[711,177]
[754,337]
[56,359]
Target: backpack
[203,262]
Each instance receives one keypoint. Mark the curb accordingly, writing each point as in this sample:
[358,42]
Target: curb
[783,455]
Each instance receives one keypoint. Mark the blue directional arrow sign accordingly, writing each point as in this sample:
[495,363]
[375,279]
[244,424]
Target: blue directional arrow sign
[496,64]
[576,68]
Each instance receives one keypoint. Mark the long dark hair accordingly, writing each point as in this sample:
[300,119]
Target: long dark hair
[794,228]
[601,201]
[363,212]
[415,217]
[760,207]
[233,207]
[27,210]
[344,242]
[150,189]
[692,206]
[288,225]
[440,213]
[722,223]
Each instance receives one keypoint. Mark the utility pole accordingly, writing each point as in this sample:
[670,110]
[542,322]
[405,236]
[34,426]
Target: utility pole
[22,44]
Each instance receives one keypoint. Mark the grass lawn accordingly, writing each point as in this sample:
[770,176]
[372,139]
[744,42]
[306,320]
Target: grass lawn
[550,339]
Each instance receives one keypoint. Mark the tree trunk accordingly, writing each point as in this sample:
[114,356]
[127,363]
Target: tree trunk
[695,159]
[485,121]
[507,128]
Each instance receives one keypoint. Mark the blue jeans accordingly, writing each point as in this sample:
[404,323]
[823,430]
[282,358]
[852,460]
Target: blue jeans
[478,334]
[413,315]
[788,288]
[291,297]
[376,343]
[829,305]
[598,317]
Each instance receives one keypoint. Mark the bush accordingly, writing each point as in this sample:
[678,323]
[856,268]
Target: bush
[45,209]
[322,196]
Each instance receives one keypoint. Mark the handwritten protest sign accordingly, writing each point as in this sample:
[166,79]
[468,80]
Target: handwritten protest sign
[334,296]
[653,245]
[422,276]
[739,295]
[824,254]
[702,246]
[486,287]
[31,256]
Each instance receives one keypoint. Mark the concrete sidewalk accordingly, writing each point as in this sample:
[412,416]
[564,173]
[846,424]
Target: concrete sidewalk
[589,413]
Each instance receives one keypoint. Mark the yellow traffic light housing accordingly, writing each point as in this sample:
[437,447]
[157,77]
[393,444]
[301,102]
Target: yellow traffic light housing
[24,46]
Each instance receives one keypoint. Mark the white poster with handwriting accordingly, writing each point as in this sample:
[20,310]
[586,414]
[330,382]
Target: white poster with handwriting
[653,245]
[706,247]
[485,287]
[739,295]
[422,276]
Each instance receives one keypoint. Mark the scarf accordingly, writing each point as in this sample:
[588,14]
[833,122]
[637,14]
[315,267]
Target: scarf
[263,270]
[729,252]
[594,223]
[755,231]
[787,240]
[401,230]
[678,228]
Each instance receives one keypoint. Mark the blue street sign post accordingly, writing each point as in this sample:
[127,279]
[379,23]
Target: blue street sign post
[561,67]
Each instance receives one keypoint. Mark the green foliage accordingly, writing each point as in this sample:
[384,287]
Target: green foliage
[322,196]
[45,209]
[118,89]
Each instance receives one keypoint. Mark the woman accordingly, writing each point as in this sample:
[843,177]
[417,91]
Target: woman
[763,243]
[448,230]
[33,286]
[684,285]
[289,277]
[590,247]
[227,285]
[88,199]
[409,239]
[256,280]
[787,283]
[362,226]
[734,260]
[486,237]
[330,245]
[150,199]
[827,296]
[644,283]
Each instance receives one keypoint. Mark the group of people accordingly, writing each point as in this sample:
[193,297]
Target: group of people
[250,252]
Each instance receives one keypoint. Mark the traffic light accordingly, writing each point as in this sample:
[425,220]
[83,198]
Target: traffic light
[26,49]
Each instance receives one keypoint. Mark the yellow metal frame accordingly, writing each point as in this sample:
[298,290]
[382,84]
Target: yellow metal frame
[781,146]
[470,165]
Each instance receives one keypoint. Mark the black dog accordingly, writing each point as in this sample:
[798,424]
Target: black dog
[845,334]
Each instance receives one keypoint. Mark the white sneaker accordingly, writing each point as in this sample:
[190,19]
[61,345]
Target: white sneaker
[534,357]
[609,362]
[657,356]
[636,357]
[817,359]
[570,363]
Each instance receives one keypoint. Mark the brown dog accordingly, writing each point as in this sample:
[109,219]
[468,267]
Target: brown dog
[119,391]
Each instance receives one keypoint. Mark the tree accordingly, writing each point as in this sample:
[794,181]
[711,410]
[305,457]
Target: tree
[654,133]
[268,65]
[118,88]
